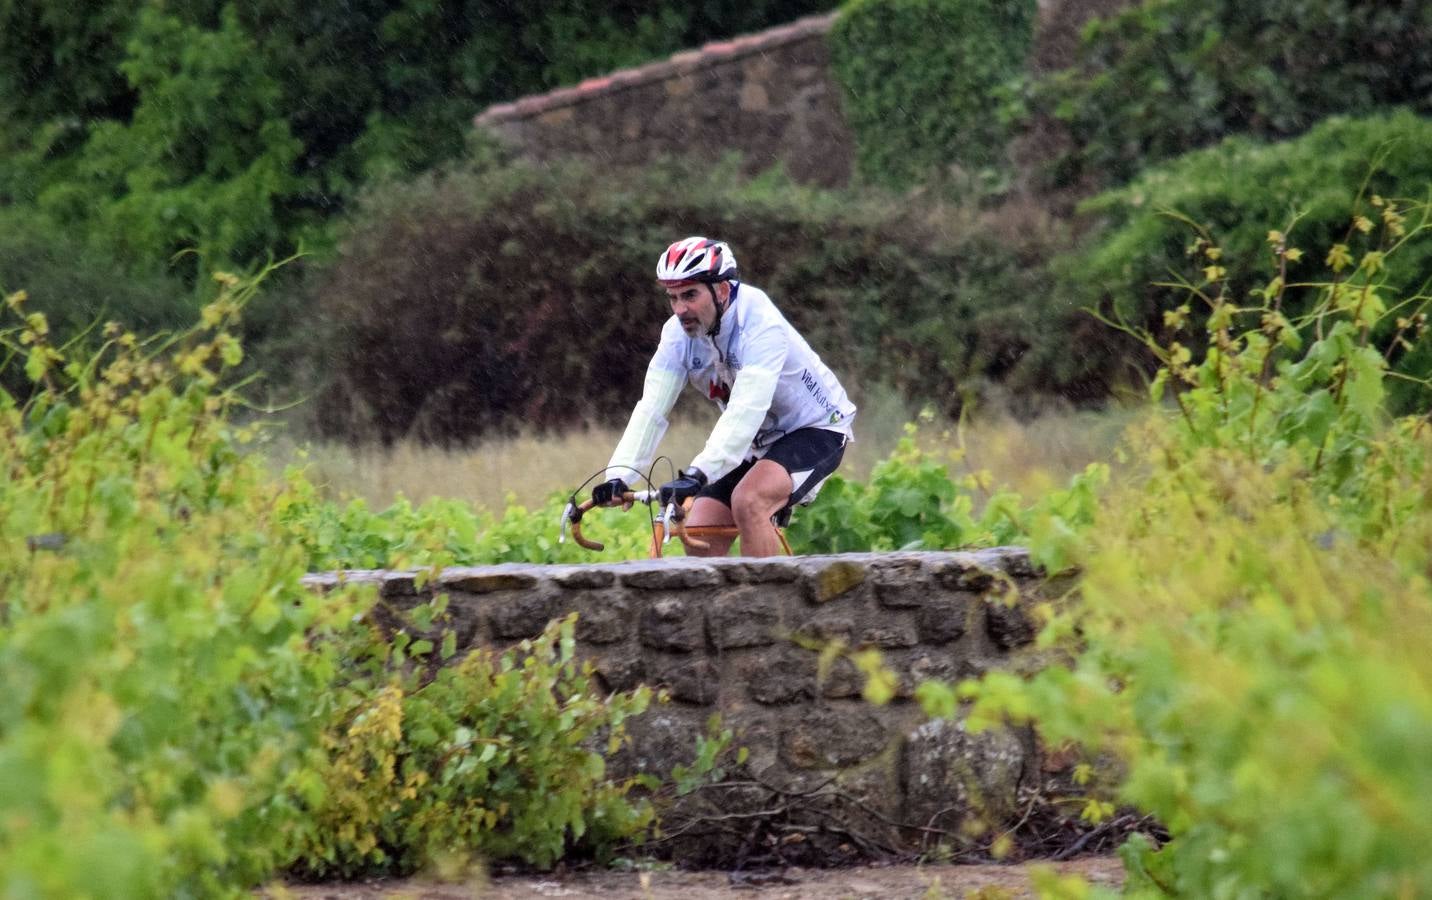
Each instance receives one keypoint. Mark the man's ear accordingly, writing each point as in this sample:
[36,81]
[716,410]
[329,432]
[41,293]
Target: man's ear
[723,291]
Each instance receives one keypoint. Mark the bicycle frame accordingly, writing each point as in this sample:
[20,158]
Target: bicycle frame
[672,521]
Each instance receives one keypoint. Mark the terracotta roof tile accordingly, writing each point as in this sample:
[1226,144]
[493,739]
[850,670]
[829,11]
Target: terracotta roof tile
[714,53]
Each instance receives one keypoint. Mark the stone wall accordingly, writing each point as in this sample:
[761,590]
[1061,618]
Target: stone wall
[769,96]
[737,636]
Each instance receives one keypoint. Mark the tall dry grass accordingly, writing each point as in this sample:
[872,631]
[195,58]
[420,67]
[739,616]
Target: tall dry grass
[1030,456]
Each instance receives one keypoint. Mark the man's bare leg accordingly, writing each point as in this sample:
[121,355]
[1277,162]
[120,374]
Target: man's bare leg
[760,495]
[707,511]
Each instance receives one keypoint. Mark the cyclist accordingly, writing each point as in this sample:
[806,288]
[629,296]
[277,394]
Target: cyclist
[785,419]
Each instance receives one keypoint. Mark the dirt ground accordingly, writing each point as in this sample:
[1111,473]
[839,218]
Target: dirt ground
[898,882]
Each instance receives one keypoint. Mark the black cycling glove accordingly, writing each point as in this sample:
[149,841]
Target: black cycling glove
[688,484]
[609,492]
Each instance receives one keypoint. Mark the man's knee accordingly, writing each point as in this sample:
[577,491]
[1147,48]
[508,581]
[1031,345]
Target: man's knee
[761,493]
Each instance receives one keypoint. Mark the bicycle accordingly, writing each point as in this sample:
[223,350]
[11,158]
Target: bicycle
[671,521]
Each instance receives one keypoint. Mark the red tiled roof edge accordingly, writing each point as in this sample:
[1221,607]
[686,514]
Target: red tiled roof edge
[685,61]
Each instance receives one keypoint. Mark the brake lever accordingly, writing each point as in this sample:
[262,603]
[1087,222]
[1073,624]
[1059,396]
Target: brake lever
[566,517]
[666,519]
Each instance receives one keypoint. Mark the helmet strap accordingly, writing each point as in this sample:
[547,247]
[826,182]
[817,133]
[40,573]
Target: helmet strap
[720,308]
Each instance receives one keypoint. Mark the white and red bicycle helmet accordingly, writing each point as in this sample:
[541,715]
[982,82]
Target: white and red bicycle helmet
[696,259]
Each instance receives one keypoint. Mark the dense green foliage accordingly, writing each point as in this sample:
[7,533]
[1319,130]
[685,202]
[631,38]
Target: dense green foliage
[913,501]
[522,294]
[1249,636]
[238,128]
[82,286]
[350,535]
[918,78]
[1243,189]
[491,758]
[182,717]
[173,692]
[1167,76]
[154,646]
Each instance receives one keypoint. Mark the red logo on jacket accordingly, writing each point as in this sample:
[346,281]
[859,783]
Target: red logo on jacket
[720,390]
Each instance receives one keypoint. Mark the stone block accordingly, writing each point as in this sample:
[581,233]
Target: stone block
[950,776]
[662,737]
[825,627]
[603,617]
[785,677]
[667,575]
[672,623]
[398,584]
[516,615]
[923,665]
[890,636]
[760,571]
[618,671]
[754,97]
[900,582]
[830,738]
[759,68]
[555,118]
[1018,563]
[843,681]
[945,619]
[486,580]
[828,579]
[464,619]
[758,730]
[583,579]
[743,618]
[688,679]
[1008,626]
[681,86]
[965,572]
[351,578]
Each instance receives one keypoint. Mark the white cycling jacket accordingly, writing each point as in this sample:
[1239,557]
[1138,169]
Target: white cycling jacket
[766,379]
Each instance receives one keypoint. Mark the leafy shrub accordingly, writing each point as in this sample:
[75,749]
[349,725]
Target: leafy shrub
[1240,191]
[155,637]
[1250,629]
[489,298]
[492,756]
[1167,76]
[913,501]
[447,532]
[918,77]
[179,709]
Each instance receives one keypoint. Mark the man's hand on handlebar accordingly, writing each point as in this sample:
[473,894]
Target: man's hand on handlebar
[610,493]
[687,485]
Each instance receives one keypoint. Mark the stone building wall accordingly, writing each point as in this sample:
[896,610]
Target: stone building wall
[769,96]
[738,637]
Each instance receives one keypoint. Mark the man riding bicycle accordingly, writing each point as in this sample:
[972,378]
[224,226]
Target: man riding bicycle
[785,419]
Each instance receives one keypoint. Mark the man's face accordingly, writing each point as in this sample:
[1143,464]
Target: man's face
[692,303]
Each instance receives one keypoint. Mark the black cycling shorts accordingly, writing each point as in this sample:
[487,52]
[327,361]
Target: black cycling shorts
[809,455]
